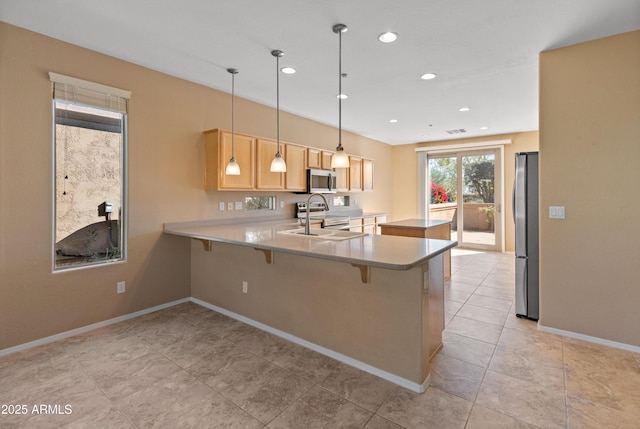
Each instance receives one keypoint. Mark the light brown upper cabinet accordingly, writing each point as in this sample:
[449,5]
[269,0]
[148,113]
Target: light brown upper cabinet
[295,179]
[367,175]
[326,160]
[314,158]
[342,179]
[218,153]
[355,173]
[265,152]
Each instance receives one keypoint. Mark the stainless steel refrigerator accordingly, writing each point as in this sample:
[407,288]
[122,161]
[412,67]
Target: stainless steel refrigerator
[525,215]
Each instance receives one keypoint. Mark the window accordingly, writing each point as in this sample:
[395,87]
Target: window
[90,142]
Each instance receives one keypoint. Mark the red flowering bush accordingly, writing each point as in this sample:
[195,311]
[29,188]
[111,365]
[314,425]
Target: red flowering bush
[438,194]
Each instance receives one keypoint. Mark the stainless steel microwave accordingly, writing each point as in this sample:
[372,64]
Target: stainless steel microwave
[321,181]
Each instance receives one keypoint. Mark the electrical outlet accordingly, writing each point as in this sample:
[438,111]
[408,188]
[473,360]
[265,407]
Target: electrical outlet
[281,204]
[221,206]
[245,287]
[120,287]
[238,205]
[229,206]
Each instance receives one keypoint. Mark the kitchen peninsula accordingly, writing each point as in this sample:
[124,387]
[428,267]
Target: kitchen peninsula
[368,301]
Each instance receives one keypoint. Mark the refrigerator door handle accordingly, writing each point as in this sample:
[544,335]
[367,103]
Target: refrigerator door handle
[513,202]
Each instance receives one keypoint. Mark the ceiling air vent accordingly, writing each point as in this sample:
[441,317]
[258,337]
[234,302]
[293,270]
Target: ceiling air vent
[459,131]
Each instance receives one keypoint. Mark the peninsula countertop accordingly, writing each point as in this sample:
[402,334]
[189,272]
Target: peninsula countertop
[416,223]
[382,251]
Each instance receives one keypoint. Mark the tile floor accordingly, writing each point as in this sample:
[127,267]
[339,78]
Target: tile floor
[189,367]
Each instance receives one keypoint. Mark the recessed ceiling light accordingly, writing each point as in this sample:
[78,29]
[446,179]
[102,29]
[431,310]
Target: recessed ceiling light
[484,128]
[288,70]
[388,37]
[463,109]
[428,76]
[342,96]
[393,121]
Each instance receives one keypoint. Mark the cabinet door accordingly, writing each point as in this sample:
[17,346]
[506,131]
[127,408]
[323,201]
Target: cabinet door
[218,153]
[295,179]
[265,152]
[367,175]
[314,158]
[326,160]
[342,179]
[355,173]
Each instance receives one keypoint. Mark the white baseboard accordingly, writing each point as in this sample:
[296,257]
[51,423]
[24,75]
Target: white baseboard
[589,338]
[416,387]
[88,328]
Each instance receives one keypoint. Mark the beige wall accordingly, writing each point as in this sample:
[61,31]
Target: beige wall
[589,152]
[405,179]
[166,172]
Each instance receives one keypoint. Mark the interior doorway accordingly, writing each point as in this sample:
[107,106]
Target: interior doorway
[465,187]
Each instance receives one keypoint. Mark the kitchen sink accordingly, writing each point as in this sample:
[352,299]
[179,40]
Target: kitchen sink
[324,234]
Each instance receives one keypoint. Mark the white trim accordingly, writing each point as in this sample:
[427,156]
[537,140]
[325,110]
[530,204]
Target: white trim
[82,330]
[97,87]
[419,388]
[589,338]
[458,146]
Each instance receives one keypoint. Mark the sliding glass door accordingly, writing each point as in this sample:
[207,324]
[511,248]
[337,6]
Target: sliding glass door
[465,187]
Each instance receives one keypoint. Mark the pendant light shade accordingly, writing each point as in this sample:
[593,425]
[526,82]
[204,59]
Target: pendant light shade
[339,159]
[278,165]
[233,169]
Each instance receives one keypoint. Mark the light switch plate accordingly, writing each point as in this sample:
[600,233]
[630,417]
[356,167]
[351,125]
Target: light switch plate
[238,205]
[556,212]
[221,206]
[229,206]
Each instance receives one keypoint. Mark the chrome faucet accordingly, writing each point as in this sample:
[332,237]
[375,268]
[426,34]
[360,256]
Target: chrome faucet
[326,204]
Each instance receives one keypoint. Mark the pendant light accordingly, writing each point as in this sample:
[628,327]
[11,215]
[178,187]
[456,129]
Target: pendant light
[340,159]
[233,169]
[278,165]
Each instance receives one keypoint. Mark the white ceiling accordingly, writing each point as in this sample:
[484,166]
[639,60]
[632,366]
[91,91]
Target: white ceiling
[484,52]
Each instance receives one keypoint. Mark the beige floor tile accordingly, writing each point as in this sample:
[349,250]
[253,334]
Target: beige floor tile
[190,350]
[460,296]
[456,377]
[119,379]
[365,390]
[520,323]
[587,415]
[496,292]
[483,314]
[226,366]
[530,365]
[459,286]
[108,418]
[602,375]
[467,349]
[319,408]
[216,412]
[529,402]
[260,343]
[378,422]
[485,418]
[433,408]
[305,363]
[159,405]
[266,393]
[451,306]
[489,302]
[474,329]
[467,276]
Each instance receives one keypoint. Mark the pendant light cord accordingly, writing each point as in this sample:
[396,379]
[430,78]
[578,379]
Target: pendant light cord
[340,89]
[278,101]
[233,134]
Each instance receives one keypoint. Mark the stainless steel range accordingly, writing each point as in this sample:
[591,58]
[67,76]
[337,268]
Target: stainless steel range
[319,213]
